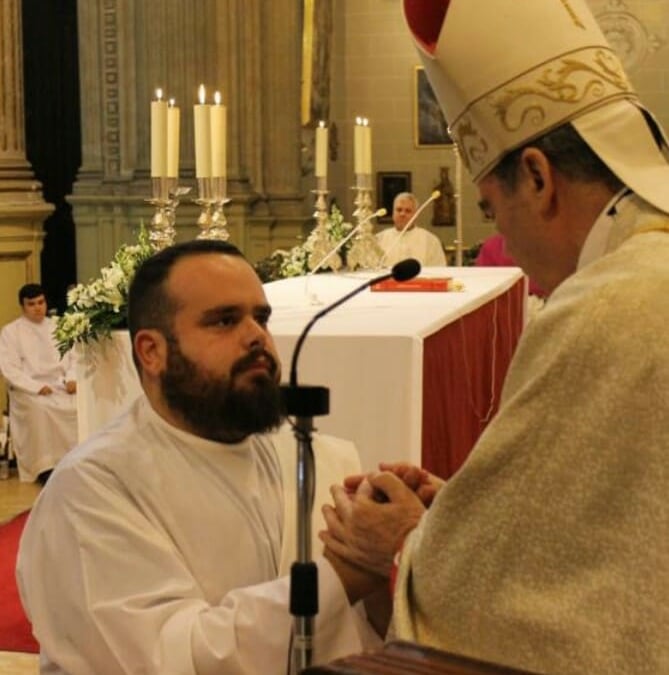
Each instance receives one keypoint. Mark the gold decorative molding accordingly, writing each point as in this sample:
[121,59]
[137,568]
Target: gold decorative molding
[111,109]
[630,35]
[536,101]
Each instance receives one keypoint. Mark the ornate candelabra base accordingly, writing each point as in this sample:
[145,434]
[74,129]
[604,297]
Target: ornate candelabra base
[165,194]
[365,251]
[212,221]
[323,253]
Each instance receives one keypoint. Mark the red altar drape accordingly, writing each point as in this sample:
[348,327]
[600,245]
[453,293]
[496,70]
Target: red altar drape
[464,365]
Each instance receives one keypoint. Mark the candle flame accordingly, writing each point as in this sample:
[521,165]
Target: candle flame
[159,94]
[321,124]
[201,94]
[365,122]
[171,103]
[358,120]
[217,97]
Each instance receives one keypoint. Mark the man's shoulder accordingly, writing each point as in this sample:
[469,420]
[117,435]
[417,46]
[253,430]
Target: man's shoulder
[428,235]
[385,233]
[116,443]
[11,326]
[615,300]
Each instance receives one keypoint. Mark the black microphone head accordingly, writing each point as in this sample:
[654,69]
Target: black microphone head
[405,269]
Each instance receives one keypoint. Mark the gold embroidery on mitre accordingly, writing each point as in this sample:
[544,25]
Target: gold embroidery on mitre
[474,147]
[573,82]
[572,14]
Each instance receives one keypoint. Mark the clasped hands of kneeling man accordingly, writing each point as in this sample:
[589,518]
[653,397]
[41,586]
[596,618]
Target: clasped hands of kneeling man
[70,388]
[373,514]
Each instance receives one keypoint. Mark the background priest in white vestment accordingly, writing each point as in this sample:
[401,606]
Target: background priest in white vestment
[42,388]
[415,242]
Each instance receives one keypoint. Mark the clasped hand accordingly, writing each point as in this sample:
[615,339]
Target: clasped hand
[372,514]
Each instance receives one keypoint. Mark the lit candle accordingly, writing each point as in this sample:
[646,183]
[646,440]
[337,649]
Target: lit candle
[366,147]
[321,150]
[357,146]
[158,136]
[173,118]
[218,117]
[202,136]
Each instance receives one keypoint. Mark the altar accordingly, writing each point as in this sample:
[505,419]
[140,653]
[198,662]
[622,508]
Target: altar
[413,376]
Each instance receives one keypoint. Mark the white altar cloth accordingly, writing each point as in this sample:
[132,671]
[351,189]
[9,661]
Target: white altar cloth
[107,381]
[369,351]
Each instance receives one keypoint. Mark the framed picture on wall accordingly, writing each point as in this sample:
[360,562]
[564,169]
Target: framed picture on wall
[430,126]
[389,184]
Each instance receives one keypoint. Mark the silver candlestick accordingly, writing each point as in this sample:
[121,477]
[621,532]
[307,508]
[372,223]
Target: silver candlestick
[165,194]
[212,200]
[322,243]
[365,251]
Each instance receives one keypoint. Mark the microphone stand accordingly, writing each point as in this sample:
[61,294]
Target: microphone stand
[305,402]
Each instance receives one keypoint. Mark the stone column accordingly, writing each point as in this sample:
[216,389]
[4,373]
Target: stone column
[22,208]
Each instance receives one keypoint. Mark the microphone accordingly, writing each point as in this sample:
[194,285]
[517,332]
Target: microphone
[379,212]
[410,222]
[401,271]
[304,402]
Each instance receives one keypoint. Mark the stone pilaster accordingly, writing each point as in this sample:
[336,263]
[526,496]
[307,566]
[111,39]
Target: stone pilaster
[22,207]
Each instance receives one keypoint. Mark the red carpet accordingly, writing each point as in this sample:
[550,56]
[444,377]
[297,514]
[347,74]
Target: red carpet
[15,632]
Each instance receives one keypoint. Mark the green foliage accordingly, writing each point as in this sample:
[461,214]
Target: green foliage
[295,262]
[100,306]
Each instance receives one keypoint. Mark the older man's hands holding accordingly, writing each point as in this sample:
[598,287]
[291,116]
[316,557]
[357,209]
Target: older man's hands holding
[371,517]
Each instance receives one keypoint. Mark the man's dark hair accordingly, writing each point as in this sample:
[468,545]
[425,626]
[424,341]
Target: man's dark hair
[568,153]
[149,305]
[29,291]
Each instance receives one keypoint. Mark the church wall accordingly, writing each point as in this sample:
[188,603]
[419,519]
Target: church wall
[374,77]
[253,48]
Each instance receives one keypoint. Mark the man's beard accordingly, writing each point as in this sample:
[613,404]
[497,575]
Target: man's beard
[214,407]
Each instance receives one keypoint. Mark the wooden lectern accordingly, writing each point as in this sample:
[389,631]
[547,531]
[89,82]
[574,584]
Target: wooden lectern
[406,658]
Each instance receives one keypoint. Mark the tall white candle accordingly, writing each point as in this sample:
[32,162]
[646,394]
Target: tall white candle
[173,119]
[201,118]
[366,147]
[158,136]
[357,146]
[321,170]
[218,117]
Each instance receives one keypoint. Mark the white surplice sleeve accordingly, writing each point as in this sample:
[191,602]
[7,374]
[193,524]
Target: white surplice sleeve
[12,367]
[114,577]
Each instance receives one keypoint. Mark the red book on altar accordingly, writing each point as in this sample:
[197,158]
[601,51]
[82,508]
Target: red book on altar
[419,284]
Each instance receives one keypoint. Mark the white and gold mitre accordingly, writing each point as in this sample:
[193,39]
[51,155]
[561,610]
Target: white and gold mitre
[508,71]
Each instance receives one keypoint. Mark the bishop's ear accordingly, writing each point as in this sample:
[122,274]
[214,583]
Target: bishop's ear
[537,168]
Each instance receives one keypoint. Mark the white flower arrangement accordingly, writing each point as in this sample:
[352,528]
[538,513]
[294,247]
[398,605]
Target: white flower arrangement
[296,262]
[100,306]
